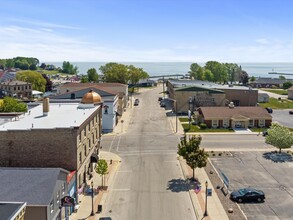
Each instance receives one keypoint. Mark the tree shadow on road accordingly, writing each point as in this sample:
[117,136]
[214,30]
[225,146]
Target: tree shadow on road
[181,185]
[278,157]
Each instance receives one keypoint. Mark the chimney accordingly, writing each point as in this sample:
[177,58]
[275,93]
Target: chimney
[45,106]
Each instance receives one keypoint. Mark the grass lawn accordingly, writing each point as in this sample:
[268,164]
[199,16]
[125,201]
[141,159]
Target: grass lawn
[258,129]
[277,91]
[277,104]
[195,128]
[183,119]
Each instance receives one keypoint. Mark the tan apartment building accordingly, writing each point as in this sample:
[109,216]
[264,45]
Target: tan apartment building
[65,135]
[16,88]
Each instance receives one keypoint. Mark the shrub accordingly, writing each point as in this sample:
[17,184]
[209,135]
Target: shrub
[203,126]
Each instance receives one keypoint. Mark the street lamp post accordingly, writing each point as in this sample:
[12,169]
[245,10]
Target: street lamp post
[92,185]
[206,208]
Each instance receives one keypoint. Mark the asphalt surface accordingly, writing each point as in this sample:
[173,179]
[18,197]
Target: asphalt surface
[283,117]
[258,170]
[148,184]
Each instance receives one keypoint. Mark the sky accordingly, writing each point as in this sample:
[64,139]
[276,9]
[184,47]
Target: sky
[147,31]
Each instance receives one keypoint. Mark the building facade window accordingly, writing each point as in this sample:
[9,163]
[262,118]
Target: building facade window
[63,188]
[52,206]
[251,123]
[225,123]
[80,157]
[215,123]
[261,123]
[58,197]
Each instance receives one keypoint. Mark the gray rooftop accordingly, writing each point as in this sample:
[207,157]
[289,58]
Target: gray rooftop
[61,115]
[8,210]
[206,84]
[34,186]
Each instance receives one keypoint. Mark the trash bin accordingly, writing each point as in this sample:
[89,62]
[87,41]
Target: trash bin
[99,208]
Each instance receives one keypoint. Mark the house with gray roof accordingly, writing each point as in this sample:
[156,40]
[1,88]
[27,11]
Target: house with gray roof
[12,210]
[40,188]
[266,82]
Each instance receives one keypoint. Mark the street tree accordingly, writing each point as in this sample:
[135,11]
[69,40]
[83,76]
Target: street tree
[92,75]
[102,169]
[243,77]
[12,105]
[287,85]
[219,71]
[190,150]
[252,79]
[208,75]
[84,79]
[115,72]
[35,78]
[279,136]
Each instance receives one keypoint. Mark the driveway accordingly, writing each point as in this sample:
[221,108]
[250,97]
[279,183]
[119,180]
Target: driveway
[262,171]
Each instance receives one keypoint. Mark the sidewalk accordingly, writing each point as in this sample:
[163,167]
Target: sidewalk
[215,209]
[85,201]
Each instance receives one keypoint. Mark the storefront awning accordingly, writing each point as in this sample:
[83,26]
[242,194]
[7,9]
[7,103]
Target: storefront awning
[94,158]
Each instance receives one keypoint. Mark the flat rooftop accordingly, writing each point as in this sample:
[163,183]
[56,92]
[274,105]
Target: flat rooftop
[206,84]
[60,115]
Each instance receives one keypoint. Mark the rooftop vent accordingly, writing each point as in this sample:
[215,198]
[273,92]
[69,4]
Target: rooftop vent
[231,105]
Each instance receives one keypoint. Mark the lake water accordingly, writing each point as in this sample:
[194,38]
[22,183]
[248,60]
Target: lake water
[166,68]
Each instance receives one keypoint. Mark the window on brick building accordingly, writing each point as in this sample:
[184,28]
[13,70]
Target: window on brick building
[85,150]
[80,158]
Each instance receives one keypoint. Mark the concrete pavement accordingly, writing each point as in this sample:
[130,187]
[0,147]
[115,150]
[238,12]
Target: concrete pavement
[85,201]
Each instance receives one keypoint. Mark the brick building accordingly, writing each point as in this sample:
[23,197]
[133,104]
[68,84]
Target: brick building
[16,88]
[65,135]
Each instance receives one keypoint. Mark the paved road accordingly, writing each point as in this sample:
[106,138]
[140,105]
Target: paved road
[148,184]
[234,142]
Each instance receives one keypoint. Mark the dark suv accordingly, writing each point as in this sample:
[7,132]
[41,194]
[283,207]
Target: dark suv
[270,110]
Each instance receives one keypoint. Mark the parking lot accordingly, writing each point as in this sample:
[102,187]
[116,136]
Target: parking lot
[264,171]
[283,117]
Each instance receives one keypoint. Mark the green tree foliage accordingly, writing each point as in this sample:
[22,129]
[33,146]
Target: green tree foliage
[279,136]
[282,77]
[135,74]
[102,169]
[208,75]
[84,79]
[12,105]
[219,71]
[287,85]
[92,75]
[252,79]
[33,67]
[192,153]
[232,71]
[20,62]
[193,70]
[120,73]
[68,68]
[35,78]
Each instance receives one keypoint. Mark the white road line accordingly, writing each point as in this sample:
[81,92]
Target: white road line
[118,143]
[112,144]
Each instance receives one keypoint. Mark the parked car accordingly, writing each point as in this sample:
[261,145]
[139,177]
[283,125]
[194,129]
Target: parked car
[136,102]
[291,112]
[160,99]
[247,195]
[162,103]
[265,133]
[270,110]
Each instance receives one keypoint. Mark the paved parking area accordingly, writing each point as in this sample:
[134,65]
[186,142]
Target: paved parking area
[262,171]
[283,117]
